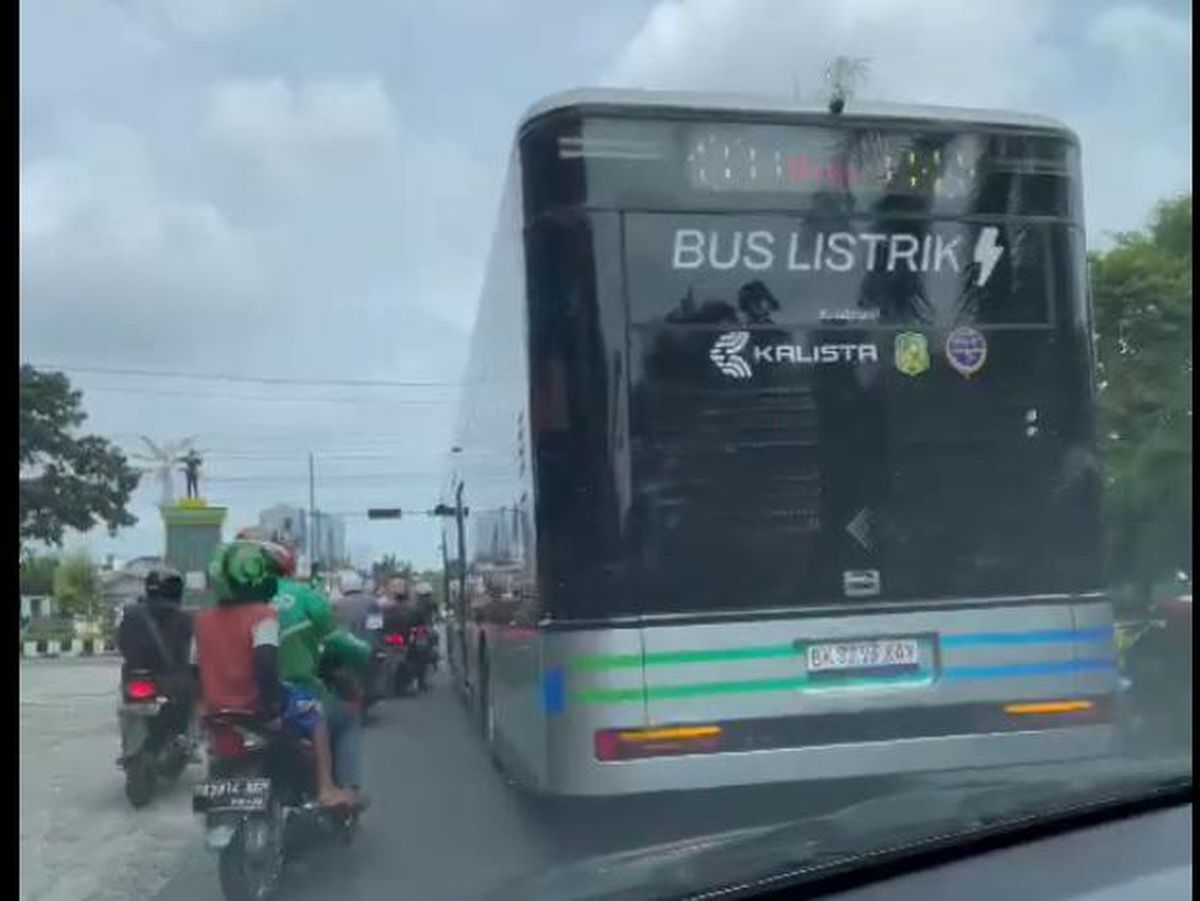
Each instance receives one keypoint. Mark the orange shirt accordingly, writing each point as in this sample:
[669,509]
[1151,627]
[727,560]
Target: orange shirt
[226,636]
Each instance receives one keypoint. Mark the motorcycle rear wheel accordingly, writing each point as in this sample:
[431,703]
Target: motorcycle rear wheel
[139,782]
[242,877]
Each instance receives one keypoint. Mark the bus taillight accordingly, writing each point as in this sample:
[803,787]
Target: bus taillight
[632,744]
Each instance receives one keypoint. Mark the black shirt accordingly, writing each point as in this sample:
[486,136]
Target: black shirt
[137,644]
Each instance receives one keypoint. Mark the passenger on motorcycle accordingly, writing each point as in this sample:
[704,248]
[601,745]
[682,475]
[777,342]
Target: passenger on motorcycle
[236,646]
[155,636]
[309,635]
[397,613]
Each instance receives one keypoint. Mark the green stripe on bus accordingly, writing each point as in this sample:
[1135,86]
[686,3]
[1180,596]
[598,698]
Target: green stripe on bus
[591,664]
[608,695]
[750,686]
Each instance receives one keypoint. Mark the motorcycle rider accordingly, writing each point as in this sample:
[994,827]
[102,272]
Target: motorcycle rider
[309,633]
[155,635]
[355,603]
[426,607]
[396,612]
[236,646]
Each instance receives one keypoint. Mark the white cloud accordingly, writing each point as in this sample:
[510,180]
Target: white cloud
[952,52]
[291,129]
[1141,33]
[1136,125]
[205,18]
[1119,75]
[108,255]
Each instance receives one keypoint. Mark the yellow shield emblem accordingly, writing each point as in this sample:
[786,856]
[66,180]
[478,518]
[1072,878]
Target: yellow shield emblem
[912,353]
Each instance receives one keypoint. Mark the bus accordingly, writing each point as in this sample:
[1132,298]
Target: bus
[775,456]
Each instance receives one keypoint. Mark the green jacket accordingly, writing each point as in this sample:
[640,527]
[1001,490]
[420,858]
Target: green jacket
[309,631]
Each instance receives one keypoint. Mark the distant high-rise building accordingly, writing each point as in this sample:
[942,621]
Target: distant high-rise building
[285,523]
[329,538]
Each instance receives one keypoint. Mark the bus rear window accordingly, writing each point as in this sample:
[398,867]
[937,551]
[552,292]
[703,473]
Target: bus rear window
[775,270]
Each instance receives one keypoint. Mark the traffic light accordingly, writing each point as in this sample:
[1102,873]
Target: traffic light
[384,513]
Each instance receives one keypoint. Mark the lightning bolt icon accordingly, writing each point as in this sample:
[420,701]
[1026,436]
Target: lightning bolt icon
[987,253]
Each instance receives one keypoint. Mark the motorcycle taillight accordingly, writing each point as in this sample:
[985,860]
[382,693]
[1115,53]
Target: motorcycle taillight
[141,690]
[394,639]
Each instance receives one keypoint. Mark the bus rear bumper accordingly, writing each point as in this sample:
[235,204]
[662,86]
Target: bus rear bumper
[835,761]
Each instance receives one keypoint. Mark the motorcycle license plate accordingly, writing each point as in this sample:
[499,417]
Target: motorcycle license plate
[142,708]
[375,622]
[240,795]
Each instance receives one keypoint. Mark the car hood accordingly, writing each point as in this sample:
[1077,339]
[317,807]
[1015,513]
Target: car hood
[941,808]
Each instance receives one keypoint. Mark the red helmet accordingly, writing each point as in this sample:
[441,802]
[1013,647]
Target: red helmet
[283,556]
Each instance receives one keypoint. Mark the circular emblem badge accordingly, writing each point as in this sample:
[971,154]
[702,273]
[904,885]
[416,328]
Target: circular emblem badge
[966,350]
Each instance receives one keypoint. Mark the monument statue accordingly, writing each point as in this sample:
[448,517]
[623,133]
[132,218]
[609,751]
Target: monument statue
[191,472]
[162,459]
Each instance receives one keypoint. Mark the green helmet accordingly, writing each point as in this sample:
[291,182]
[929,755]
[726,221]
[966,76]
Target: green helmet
[244,571]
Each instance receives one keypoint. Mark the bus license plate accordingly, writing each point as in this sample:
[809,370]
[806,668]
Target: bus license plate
[374,622]
[883,653]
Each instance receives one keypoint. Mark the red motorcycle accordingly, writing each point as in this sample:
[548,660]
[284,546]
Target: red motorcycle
[414,655]
[260,793]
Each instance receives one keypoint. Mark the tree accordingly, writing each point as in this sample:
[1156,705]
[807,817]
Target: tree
[67,481]
[75,584]
[37,574]
[390,565]
[1142,294]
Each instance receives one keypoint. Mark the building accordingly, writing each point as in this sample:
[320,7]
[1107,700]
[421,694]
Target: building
[329,539]
[125,584]
[286,524]
[36,606]
[290,525]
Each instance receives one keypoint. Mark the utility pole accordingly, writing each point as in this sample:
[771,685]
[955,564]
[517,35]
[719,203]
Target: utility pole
[312,512]
[459,514]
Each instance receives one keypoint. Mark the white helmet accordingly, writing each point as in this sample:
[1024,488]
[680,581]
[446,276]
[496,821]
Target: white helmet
[349,581]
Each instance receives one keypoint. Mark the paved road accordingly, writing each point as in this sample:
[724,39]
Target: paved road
[80,839]
[444,826]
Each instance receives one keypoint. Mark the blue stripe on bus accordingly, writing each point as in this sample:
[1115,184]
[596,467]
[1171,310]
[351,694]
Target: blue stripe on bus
[1046,636]
[554,690]
[1011,670]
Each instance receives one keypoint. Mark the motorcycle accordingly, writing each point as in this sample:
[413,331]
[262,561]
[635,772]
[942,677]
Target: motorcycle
[380,672]
[1156,683]
[151,753]
[258,801]
[418,659]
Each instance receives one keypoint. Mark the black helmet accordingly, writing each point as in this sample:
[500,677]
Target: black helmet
[164,585]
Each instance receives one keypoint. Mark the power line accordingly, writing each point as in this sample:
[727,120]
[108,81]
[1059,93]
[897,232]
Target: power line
[258,398]
[354,440]
[282,455]
[348,476]
[248,379]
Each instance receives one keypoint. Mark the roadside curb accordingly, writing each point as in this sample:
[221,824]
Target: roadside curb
[68,647]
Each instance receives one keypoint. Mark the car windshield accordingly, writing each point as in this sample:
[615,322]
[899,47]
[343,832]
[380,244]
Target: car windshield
[776,452]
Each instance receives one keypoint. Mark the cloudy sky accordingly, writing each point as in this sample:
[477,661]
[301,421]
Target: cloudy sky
[298,195]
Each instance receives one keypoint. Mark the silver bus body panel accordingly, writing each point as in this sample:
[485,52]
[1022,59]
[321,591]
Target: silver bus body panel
[725,103]
[582,775]
[623,678]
